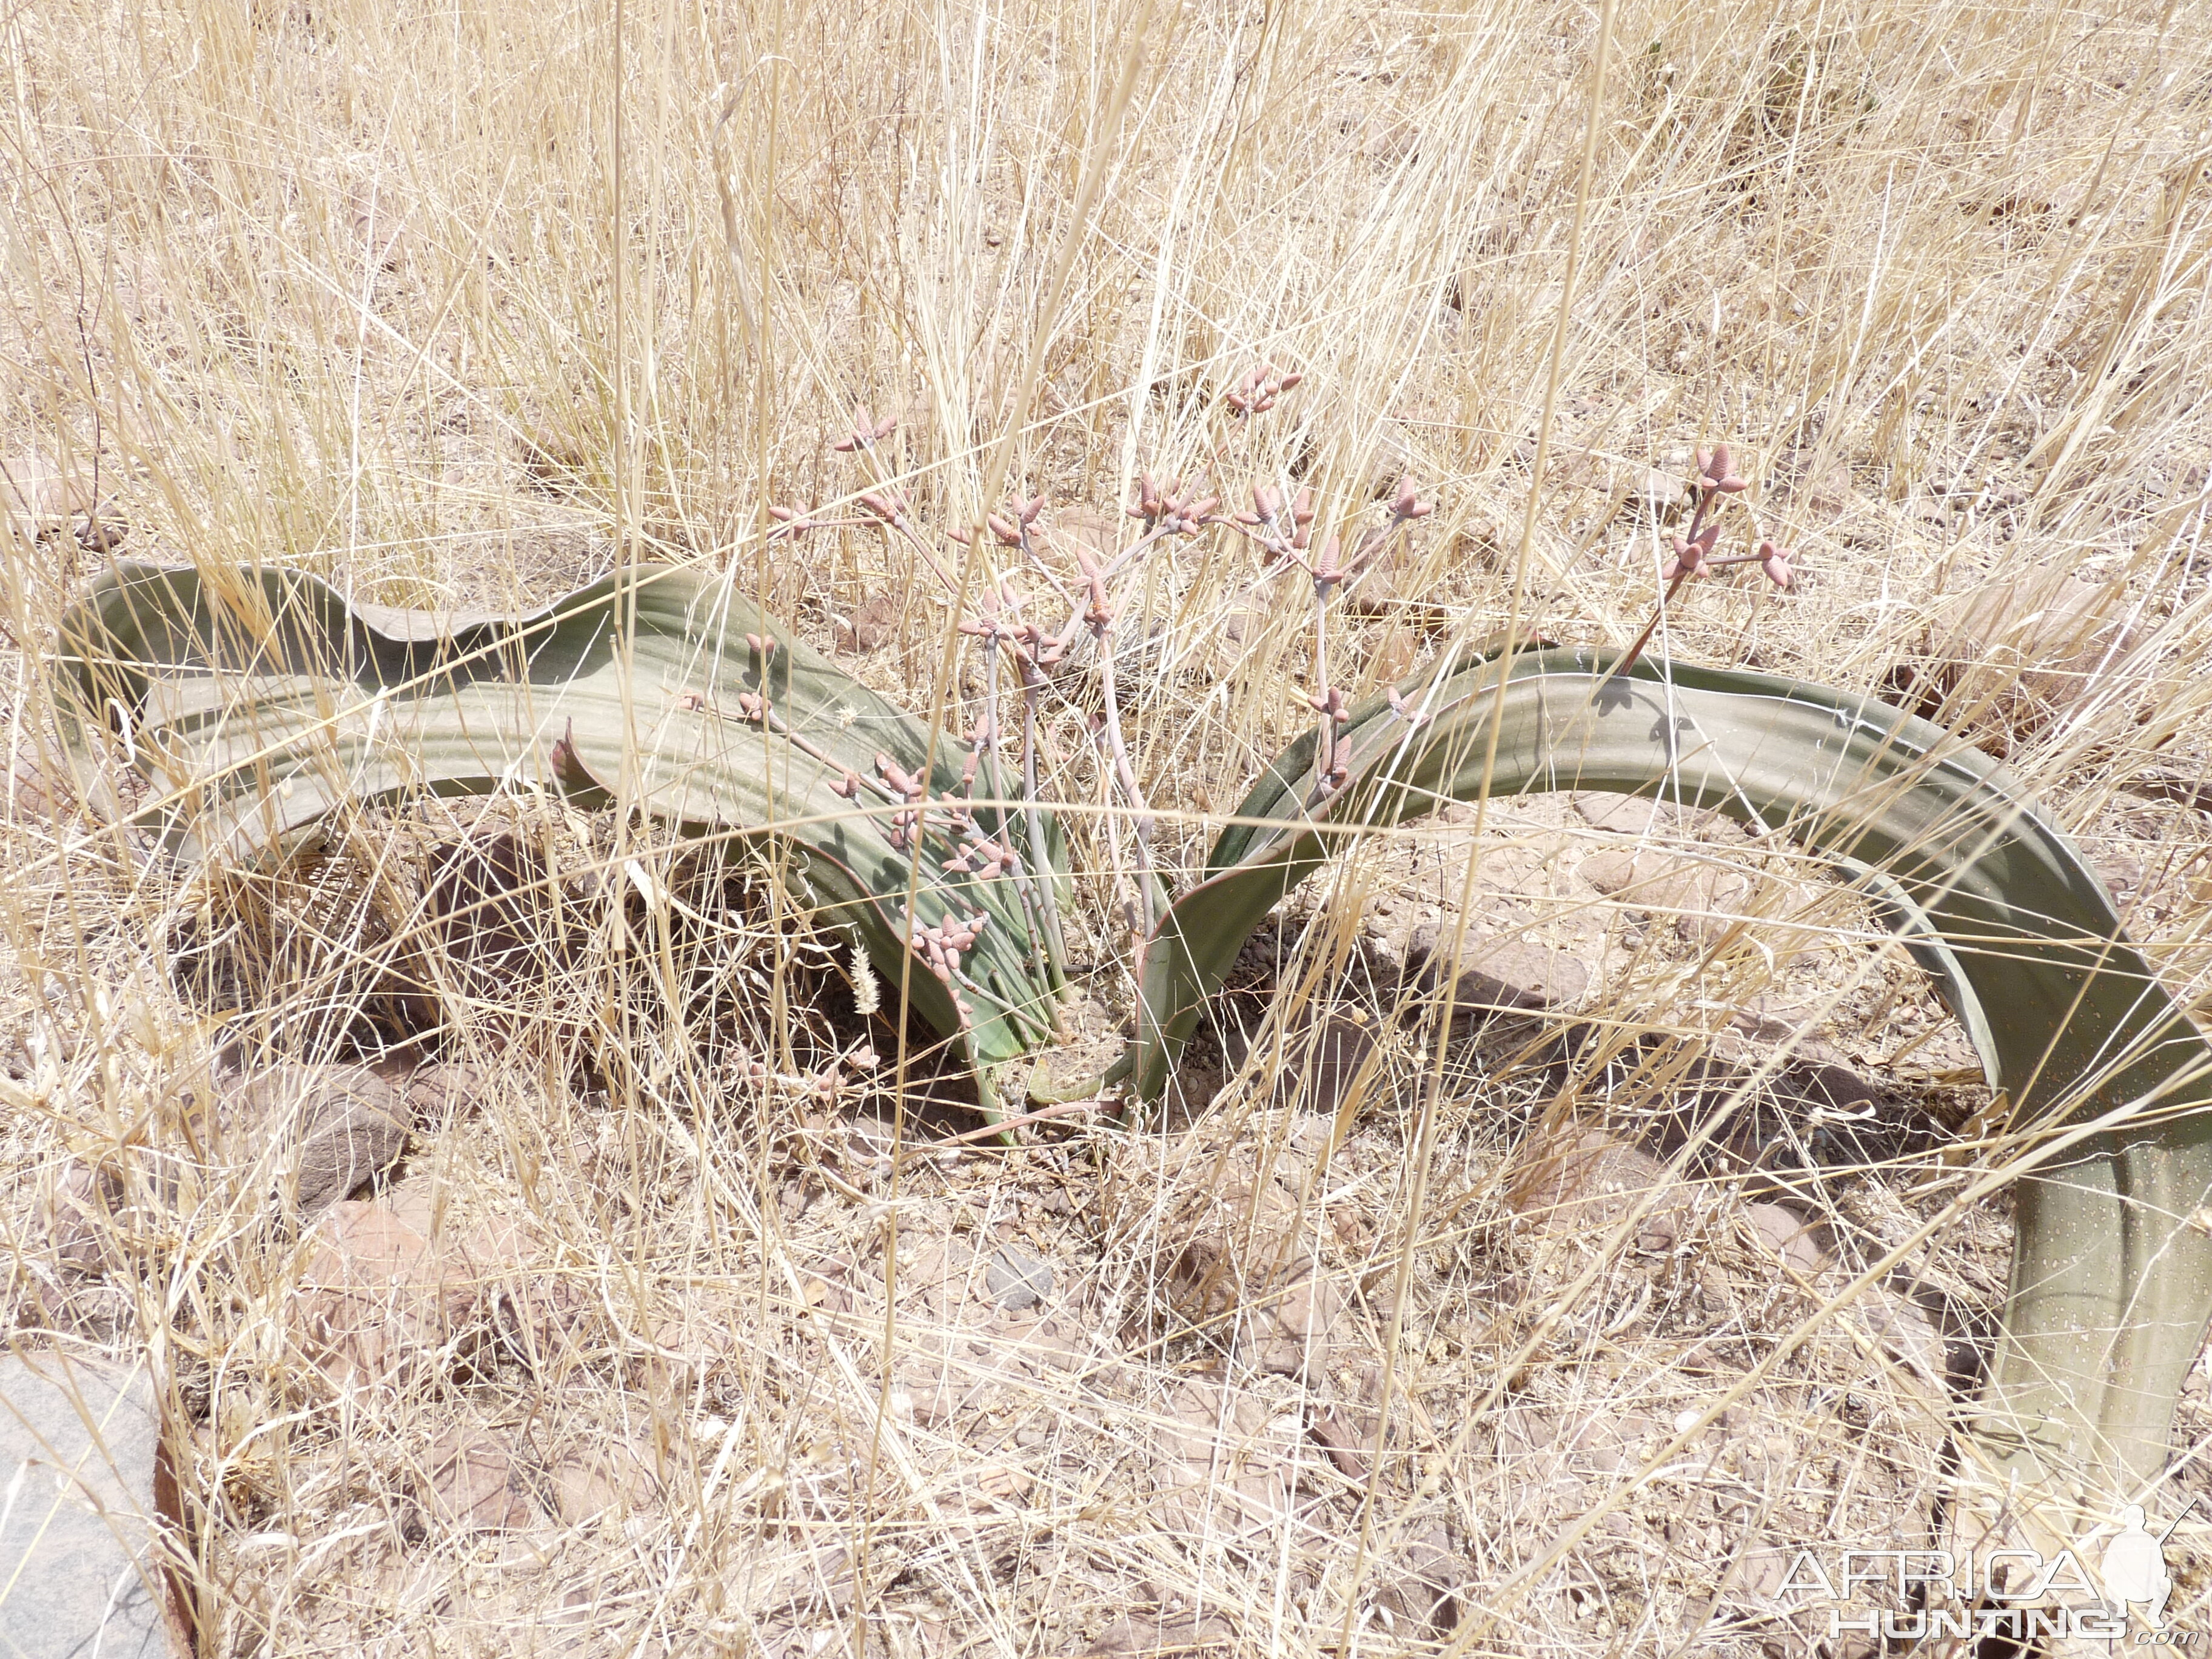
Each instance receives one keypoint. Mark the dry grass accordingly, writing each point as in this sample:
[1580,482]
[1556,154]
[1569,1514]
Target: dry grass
[460,305]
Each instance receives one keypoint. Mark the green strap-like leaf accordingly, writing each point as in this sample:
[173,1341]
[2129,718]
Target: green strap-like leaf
[257,701]
[2112,1271]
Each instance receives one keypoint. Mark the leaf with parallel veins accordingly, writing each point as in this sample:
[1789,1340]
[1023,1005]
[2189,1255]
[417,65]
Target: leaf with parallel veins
[2105,1080]
[258,702]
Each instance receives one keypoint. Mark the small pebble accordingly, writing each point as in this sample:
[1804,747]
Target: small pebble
[1016,1279]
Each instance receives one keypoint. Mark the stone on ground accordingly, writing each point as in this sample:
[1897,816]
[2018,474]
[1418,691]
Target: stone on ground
[1237,1237]
[1706,898]
[2045,637]
[471,1483]
[340,1127]
[1579,1180]
[1018,1279]
[80,1534]
[1500,971]
[1789,1236]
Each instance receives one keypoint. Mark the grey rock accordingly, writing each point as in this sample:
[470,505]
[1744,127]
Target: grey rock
[1820,1083]
[341,1127]
[80,1536]
[1904,1335]
[1422,1595]
[1016,1279]
[1655,486]
[1612,1442]
[1772,1021]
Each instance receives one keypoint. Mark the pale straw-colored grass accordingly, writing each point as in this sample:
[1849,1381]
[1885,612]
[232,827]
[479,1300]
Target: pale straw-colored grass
[462,305]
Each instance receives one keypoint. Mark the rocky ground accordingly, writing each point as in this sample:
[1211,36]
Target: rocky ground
[670,1299]
[476,1365]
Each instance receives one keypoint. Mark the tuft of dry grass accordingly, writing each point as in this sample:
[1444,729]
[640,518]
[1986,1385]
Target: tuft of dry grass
[672,1333]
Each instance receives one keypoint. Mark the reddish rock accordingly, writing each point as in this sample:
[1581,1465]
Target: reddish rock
[1643,815]
[872,624]
[1165,1634]
[390,1294]
[471,1483]
[1795,1240]
[85,1219]
[39,497]
[606,1477]
[1621,815]
[2039,640]
[1580,1180]
[38,788]
[1225,1465]
[1497,971]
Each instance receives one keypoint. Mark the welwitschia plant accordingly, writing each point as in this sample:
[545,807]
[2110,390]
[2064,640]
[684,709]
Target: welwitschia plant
[256,702]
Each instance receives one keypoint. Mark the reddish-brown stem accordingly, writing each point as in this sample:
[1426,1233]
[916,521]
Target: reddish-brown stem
[1706,499]
[1274,549]
[1040,859]
[1156,901]
[1025,880]
[1325,753]
[1643,639]
[1076,606]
